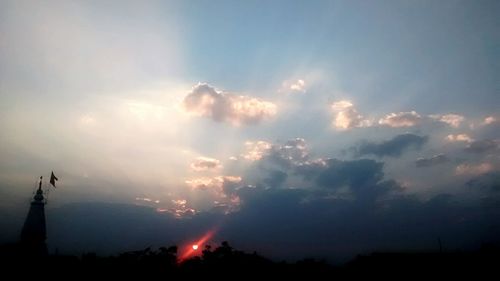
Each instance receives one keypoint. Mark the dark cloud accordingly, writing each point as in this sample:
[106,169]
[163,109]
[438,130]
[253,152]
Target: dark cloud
[289,154]
[355,173]
[394,147]
[432,161]
[276,178]
[487,182]
[291,223]
[482,146]
[363,178]
[347,208]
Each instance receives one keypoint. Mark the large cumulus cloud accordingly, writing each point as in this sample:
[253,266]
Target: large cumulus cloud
[206,101]
[347,116]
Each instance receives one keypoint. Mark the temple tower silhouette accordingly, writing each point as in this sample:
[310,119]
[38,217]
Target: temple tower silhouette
[33,234]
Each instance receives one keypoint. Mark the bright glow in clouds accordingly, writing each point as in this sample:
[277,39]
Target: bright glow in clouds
[256,150]
[401,119]
[106,95]
[205,164]
[453,120]
[293,86]
[215,183]
[459,138]
[206,101]
[473,169]
[489,120]
[347,117]
[146,111]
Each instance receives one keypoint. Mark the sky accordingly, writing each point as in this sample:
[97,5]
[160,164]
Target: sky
[293,128]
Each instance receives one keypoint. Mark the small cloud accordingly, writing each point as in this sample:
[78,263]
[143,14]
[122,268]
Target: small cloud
[459,138]
[432,161]
[482,146]
[206,101]
[204,183]
[490,120]
[401,119]
[184,212]
[205,164]
[293,86]
[453,120]
[393,147]
[145,199]
[347,117]
[475,170]
[292,152]
[179,202]
[223,188]
[256,150]
[233,158]
[214,183]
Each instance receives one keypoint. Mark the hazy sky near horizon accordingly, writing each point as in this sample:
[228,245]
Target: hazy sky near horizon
[245,110]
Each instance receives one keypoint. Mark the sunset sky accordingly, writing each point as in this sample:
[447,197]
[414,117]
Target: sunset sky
[294,128]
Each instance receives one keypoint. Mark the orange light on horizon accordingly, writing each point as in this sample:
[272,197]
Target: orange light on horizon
[191,249]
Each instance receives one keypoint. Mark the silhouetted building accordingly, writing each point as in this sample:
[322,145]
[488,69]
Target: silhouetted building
[33,235]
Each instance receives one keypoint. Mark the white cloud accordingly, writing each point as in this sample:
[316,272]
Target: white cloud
[205,164]
[222,188]
[145,199]
[453,120]
[256,150]
[292,151]
[179,209]
[206,101]
[474,170]
[459,138]
[490,120]
[293,86]
[179,202]
[347,117]
[401,119]
[213,183]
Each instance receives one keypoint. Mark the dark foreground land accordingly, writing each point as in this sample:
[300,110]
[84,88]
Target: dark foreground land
[224,262]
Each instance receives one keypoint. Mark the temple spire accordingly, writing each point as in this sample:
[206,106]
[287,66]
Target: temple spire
[33,234]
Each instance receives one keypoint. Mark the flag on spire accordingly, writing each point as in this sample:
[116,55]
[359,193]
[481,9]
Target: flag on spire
[53,179]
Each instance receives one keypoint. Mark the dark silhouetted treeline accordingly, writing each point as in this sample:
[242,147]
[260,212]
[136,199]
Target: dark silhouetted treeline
[225,262]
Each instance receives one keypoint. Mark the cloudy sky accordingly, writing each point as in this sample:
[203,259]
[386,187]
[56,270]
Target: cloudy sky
[294,128]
